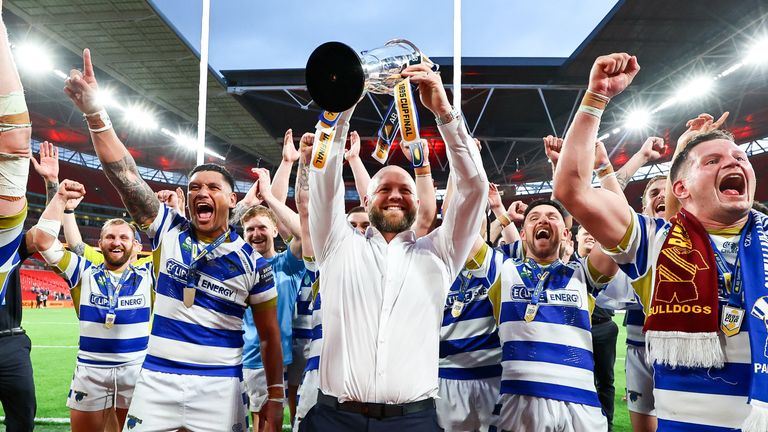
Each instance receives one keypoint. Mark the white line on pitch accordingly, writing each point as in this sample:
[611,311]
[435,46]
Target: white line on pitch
[55,346]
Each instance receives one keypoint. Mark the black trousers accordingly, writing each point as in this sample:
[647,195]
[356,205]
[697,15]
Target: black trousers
[17,389]
[322,418]
[604,337]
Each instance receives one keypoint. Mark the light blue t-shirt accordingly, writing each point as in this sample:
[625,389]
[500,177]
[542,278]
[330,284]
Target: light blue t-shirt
[288,271]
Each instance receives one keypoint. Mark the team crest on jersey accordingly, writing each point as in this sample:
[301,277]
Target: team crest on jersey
[80,395]
[633,395]
[133,421]
[186,245]
[176,270]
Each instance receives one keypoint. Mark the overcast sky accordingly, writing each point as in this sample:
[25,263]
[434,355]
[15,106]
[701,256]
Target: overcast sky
[251,34]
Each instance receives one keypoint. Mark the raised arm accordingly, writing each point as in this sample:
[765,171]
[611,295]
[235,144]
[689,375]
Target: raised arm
[425,191]
[604,214]
[285,215]
[302,193]
[49,225]
[327,216]
[117,163]
[356,164]
[461,222]
[15,133]
[282,178]
[251,199]
[605,173]
[652,150]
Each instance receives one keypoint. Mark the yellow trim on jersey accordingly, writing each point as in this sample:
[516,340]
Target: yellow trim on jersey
[726,232]
[590,306]
[494,296]
[10,221]
[92,254]
[308,258]
[643,288]
[271,303]
[75,293]
[596,275]
[476,261]
[624,243]
[156,261]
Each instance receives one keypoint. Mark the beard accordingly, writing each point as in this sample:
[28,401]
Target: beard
[391,224]
[120,261]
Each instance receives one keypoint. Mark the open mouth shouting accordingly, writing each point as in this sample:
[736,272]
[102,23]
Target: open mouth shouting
[204,212]
[660,208]
[733,185]
[542,234]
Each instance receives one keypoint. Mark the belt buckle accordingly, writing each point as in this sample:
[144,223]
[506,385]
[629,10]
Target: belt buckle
[373,410]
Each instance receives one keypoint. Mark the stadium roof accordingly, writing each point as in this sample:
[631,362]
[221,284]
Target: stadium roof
[509,103]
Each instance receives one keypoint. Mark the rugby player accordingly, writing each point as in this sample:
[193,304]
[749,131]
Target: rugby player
[207,278]
[542,306]
[698,277]
[112,301]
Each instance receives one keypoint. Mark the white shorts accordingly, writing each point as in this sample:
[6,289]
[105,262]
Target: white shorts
[94,388]
[466,405]
[516,413]
[168,402]
[295,370]
[255,382]
[307,396]
[639,381]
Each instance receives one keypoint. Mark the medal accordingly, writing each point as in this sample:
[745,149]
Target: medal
[110,322]
[733,318]
[458,306]
[530,312]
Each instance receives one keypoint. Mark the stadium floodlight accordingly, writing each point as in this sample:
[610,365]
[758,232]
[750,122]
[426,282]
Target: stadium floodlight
[638,119]
[615,131]
[758,54]
[604,137]
[697,87]
[140,118]
[61,74]
[106,98]
[33,58]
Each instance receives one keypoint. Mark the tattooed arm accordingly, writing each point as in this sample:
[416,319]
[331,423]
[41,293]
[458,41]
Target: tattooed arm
[118,164]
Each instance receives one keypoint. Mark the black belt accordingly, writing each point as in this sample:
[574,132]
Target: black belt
[12,332]
[600,320]
[376,410]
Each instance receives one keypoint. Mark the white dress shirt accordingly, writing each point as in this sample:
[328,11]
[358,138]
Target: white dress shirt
[383,302]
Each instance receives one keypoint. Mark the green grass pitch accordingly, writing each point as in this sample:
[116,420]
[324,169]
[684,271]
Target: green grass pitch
[54,334]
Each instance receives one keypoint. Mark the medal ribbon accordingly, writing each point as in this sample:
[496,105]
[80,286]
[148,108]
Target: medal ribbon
[735,296]
[542,279]
[192,272]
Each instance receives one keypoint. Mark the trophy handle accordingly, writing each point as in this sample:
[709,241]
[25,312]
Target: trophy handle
[424,58]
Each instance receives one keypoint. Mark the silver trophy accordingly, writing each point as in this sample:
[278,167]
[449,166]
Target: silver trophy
[337,77]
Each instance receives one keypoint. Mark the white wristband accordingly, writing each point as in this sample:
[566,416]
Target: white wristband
[49,226]
[53,254]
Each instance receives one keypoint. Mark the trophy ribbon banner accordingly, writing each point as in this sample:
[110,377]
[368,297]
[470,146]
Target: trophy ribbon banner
[329,119]
[321,148]
[409,121]
[386,134]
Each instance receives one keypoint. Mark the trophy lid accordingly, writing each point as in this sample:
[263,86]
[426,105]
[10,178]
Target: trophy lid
[335,77]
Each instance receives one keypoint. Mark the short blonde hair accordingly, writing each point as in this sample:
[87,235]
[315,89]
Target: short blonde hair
[116,221]
[259,210]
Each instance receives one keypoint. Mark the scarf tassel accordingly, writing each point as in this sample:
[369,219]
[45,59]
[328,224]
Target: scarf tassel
[757,421]
[677,348]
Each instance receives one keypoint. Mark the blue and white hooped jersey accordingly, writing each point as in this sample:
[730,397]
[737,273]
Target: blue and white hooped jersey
[551,356]
[469,342]
[206,338]
[689,399]
[126,341]
[514,250]
[302,317]
[316,342]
